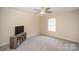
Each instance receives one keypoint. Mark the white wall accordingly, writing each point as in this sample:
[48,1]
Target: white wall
[0,25]
[67,25]
[12,18]
[78,26]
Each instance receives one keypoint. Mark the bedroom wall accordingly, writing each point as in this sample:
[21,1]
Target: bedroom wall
[0,25]
[67,25]
[78,26]
[12,18]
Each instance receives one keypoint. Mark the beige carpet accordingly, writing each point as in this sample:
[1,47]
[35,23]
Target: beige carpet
[45,43]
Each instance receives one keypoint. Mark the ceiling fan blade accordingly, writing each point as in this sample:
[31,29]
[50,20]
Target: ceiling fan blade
[37,13]
[43,8]
[37,10]
[47,8]
[48,11]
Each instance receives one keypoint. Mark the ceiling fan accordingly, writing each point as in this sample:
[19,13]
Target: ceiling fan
[43,10]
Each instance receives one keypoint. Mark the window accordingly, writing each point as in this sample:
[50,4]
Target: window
[52,24]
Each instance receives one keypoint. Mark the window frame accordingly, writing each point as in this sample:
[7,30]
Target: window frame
[52,24]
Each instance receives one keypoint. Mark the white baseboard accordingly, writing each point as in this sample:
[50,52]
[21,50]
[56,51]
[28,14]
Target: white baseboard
[59,38]
[32,36]
[27,38]
[4,44]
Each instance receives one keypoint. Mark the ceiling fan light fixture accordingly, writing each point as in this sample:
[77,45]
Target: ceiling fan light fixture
[42,13]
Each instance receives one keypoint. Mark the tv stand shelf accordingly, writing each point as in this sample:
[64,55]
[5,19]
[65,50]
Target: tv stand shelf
[16,40]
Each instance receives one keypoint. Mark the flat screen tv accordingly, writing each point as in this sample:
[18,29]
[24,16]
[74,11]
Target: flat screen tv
[19,29]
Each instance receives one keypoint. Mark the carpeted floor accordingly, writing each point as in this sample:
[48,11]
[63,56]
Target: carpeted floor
[45,43]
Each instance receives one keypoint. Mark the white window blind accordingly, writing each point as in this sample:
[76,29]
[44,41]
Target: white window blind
[52,24]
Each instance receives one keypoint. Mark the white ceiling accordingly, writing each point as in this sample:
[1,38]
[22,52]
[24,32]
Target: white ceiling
[54,9]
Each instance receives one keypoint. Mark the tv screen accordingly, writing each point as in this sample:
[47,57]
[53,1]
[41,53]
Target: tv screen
[19,29]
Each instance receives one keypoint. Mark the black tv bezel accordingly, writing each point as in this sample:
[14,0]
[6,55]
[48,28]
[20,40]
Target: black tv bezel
[19,29]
